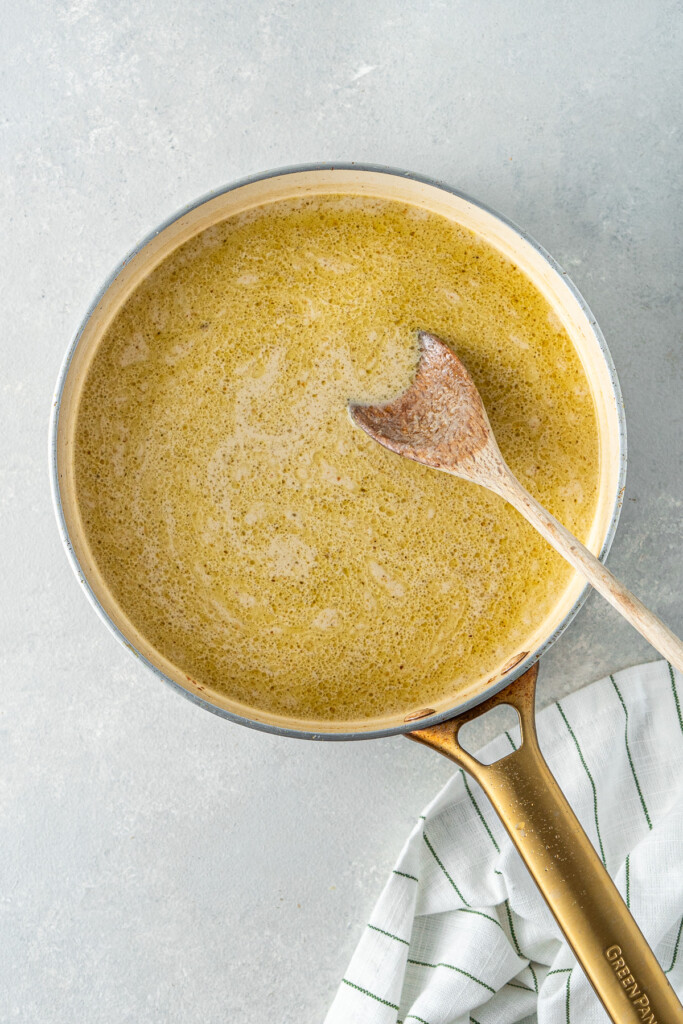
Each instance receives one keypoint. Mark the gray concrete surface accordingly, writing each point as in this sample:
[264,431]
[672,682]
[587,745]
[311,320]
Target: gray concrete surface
[156,863]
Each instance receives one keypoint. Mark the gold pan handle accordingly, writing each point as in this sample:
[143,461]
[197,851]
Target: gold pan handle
[598,926]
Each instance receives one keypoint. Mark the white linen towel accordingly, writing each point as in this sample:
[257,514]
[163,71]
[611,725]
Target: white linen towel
[460,934]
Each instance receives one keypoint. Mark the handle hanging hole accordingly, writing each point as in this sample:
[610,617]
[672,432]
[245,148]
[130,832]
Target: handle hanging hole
[502,721]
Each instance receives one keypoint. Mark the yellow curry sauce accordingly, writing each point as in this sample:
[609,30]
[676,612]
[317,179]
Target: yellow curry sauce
[259,540]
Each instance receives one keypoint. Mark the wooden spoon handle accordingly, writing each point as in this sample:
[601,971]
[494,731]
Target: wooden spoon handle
[633,610]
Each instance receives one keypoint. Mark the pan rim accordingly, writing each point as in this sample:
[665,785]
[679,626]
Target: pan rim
[405,727]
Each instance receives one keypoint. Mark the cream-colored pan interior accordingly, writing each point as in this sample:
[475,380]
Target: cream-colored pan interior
[546,277]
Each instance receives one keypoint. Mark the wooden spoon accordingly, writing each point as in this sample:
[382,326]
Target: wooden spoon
[441,421]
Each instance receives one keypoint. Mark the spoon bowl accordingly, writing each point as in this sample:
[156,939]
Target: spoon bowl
[439,421]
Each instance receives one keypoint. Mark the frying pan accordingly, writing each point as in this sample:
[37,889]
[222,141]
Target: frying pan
[586,904]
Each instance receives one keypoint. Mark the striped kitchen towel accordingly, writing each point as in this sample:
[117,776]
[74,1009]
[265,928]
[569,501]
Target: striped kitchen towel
[460,934]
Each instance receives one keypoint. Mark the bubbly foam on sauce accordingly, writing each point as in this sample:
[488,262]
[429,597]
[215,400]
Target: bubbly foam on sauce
[263,543]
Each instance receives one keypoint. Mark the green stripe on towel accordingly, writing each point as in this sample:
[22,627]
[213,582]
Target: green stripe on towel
[436,858]
[477,808]
[388,934]
[628,752]
[678,939]
[512,930]
[480,913]
[404,875]
[566,1005]
[590,779]
[451,967]
[365,992]
[627,867]
[675,693]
